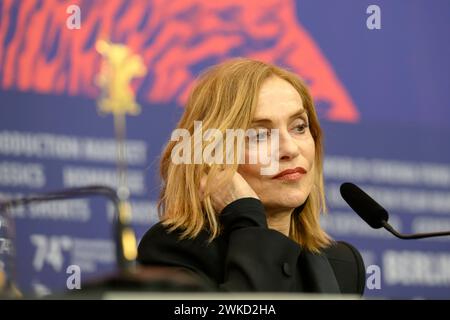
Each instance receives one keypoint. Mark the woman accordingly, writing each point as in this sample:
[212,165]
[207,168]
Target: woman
[233,227]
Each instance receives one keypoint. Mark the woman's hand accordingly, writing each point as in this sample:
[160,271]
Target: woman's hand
[237,188]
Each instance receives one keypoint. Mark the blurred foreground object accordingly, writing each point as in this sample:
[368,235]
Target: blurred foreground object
[127,278]
[8,287]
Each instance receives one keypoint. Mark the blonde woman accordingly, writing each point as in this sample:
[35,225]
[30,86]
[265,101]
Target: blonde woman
[232,225]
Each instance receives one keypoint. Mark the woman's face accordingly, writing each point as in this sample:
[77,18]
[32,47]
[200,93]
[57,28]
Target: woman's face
[280,107]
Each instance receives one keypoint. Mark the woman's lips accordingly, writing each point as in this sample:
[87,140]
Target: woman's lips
[290,174]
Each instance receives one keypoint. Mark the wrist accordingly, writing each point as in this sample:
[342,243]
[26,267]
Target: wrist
[242,213]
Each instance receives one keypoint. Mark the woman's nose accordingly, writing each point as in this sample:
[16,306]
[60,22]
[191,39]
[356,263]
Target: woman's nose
[288,146]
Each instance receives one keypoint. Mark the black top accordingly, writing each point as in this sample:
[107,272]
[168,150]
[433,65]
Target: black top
[248,256]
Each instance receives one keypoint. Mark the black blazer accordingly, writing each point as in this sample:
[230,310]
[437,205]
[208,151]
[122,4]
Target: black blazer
[248,256]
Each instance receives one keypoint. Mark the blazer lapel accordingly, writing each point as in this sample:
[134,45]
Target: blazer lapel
[321,274]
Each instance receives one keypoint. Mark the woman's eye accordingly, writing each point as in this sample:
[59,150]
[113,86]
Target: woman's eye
[301,127]
[262,135]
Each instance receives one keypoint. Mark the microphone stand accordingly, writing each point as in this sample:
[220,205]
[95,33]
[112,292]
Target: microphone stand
[125,242]
[389,228]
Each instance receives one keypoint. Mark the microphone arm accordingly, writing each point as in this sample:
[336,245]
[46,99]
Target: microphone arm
[389,228]
[124,235]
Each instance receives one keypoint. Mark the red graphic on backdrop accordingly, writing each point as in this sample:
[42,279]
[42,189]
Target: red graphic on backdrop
[38,53]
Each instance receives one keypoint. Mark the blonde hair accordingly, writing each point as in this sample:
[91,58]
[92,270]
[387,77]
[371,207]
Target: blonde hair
[225,97]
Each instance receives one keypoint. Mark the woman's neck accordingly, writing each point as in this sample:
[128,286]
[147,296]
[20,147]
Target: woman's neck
[280,220]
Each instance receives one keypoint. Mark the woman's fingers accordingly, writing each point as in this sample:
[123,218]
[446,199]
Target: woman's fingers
[221,195]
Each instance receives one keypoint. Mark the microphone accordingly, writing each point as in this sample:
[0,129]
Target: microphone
[374,214]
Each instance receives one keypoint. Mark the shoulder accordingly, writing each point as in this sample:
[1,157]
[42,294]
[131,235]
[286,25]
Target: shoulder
[348,267]
[158,232]
[159,244]
[161,247]
[174,264]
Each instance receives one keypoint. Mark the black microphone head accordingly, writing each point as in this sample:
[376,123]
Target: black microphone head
[367,208]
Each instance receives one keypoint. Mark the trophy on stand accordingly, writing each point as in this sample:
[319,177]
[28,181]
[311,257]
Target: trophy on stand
[119,66]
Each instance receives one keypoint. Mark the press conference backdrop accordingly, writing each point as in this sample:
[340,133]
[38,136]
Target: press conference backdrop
[382,95]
